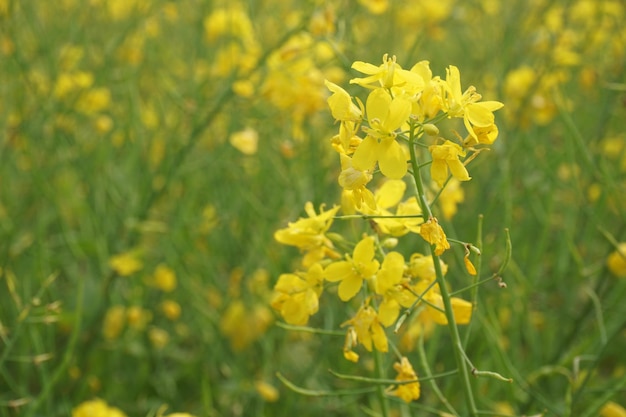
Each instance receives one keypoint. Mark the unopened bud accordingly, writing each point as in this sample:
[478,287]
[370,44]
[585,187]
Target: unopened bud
[389,243]
[430,129]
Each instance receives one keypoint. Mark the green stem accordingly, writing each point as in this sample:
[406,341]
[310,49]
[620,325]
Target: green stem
[380,390]
[457,346]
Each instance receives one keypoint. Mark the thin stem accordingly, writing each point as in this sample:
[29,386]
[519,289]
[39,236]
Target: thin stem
[459,355]
[380,390]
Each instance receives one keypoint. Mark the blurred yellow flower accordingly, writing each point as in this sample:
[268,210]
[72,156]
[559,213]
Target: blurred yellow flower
[96,408]
[267,391]
[245,141]
[375,6]
[164,278]
[114,321]
[125,264]
[616,261]
[352,272]
[171,309]
[612,409]
[407,392]
[138,317]
[341,106]
[158,337]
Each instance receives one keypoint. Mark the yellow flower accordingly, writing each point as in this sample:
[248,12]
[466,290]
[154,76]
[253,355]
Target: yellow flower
[446,156]
[354,181]
[616,261]
[407,392]
[158,337]
[466,104]
[352,272]
[171,309]
[462,309]
[451,195]
[125,264]
[432,233]
[385,115]
[114,321]
[267,391]
[387,75]
[96,408]
[309,234]
[423,268]
[367,330]
[387,284]
[297,296]
[375,6]
[388,195]
[341,106]
[245,141]
[612,409]
[164,278]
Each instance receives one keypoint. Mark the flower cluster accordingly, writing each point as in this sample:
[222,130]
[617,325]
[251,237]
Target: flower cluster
[393,133]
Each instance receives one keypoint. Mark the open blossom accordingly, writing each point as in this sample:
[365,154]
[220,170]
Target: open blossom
[446,159]
[409,211]
[309,234]
[387,75]
[368,330]
[385,115]
[407,392]
[297,295]
[354,181]
[352,272]
[341,105]
[467,104]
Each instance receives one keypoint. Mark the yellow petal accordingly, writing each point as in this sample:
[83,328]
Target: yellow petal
[338,271]
[366,154]
[349,287]
[392,159]
[390,193]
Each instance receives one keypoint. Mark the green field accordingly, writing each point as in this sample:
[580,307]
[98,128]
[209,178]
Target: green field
[274,208]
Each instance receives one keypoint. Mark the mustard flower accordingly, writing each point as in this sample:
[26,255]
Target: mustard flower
[390,195]
[297,295]
[96,408]
[341,106]
[368,329]
[354,181]
[267,391]
[446,157]
[387,75]
[410,391]
[387,284]
[612,409]
[245,141]
[309,234]
[462,309]
[125,264]
[352,272]
[385,115]
[423,268]
[616,261]
[164,278]
[466,104]
[114,321]
[432,233]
